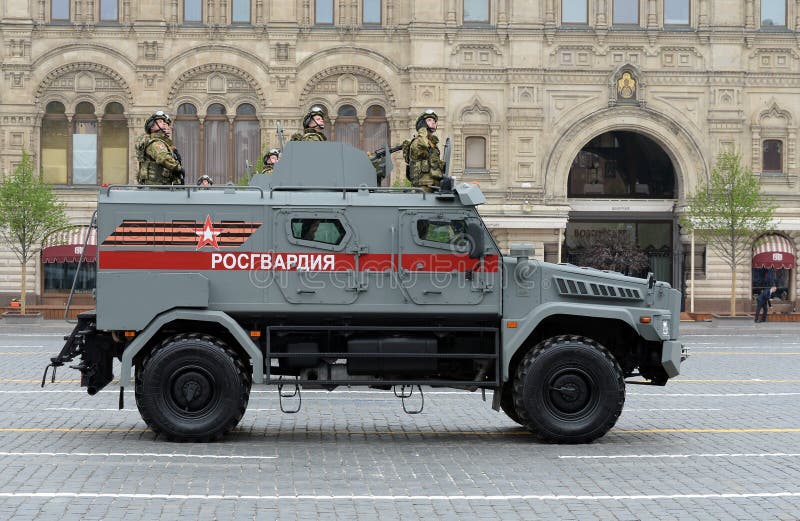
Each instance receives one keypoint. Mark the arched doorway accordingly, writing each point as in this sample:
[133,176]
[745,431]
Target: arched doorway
[621,186]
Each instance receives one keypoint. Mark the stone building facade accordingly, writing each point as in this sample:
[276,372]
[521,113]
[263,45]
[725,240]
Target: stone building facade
[581,119]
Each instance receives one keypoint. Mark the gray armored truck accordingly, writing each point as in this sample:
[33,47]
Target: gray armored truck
[316,277]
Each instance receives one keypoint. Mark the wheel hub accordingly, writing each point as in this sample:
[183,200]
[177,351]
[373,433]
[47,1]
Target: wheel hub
[192,390]
[569,392]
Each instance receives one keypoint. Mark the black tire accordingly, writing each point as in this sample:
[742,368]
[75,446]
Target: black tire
[569,389]
[507,403]
[192,387]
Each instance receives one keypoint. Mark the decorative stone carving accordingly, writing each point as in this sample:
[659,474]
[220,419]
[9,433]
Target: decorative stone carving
[83,77]
[326,83]
[216,78]
[477,55]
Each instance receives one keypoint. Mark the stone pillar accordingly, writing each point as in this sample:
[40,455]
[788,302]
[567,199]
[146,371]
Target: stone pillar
[652,16]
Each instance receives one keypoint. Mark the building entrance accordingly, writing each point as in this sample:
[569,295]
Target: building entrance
[621,186]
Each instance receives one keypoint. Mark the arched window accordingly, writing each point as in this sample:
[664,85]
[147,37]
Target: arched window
[376,128]
[84,145]
[246,141]
[217,153]
[114,145]
[186,136]
[54,140]
[346,129]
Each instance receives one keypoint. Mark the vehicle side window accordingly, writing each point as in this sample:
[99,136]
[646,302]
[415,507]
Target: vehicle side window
[326,231]
[444,232]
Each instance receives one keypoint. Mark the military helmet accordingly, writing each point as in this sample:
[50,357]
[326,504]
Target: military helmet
[316,110]
[159,114]
[204,178]
[272,152]
[425,115]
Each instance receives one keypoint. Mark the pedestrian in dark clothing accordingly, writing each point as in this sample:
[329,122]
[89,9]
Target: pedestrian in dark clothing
[762,302]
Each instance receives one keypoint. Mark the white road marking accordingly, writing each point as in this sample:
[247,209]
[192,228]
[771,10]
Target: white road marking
[135,455]
[353,497]
[686,456]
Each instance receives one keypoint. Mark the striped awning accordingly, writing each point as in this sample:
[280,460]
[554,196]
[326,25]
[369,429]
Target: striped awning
[773,251]
[67,245]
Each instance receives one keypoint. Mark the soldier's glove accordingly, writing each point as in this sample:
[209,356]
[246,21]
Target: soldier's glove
[180,174]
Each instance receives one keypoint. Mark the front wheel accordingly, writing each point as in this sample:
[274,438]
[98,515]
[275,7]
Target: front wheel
[192,388]
[569,389]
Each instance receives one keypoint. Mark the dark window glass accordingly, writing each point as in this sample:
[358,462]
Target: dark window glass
[55,107]
[372,11]
[216,109]
[186,136]
[475,153]
[773,13]
[187,109]
[476,11]
[241,11]
[440,231]
[58,277]
[59,10]
[246,109]
[574,12]
[676,12]
[622,164]
[115,108]
[327,231]
[376,111]
[246,146]
[347,127]
[772,154]
[323,12]
[625,12]
[109,10]
[84,107]
[192,10]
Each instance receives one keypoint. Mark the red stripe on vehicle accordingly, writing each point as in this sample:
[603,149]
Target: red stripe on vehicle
[283,261]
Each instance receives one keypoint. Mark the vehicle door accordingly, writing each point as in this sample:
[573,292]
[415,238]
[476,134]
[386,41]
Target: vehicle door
[315,256]
[434,263]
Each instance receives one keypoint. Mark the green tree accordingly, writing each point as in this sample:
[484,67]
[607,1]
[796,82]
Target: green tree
[729,212]
[615,253]
[29,211]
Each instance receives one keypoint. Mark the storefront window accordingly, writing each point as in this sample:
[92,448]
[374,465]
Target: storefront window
[114,145]
[84,145]
[186,136]
[54,144]
[246,136]
[216,143]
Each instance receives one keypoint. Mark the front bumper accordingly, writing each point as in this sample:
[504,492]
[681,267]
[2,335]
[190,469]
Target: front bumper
[672,354]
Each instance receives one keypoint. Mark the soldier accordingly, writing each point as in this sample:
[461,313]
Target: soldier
[159,160]
[313,125]
[205,180]
[270,158]
[425,165]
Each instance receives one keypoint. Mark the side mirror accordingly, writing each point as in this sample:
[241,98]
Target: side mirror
[651,280]
[476,242]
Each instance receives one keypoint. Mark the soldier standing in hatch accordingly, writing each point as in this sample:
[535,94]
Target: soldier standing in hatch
[270,158]
[159,160]
[425,164]
[313,125]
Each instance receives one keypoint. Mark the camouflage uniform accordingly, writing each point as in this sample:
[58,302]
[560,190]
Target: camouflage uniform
[268,167]
[158,164]
[425,166]
[309,134]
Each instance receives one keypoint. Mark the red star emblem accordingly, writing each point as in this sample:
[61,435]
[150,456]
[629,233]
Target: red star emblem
[207,235]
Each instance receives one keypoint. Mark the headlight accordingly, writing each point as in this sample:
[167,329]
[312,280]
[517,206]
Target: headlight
[665,328]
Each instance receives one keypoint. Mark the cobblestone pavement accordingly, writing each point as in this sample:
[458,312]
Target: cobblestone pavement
[720,442]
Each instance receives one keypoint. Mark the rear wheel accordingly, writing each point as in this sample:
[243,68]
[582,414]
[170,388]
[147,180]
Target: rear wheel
[192,388]
[569,389]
